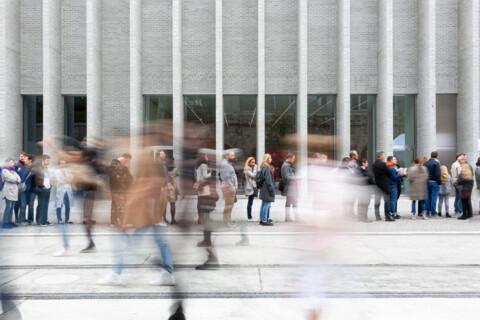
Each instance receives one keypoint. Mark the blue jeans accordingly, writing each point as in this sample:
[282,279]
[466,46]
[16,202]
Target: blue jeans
[421,206]
[249,206]
[121,241]
[66,203]
[264,210]
[27,198]
[42,207]
[458,202]
[393,199]
[432,196]
[64,231]
[7,214]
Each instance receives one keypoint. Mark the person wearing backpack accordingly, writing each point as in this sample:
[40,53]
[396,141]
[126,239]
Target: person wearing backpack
[290,189]
[267,188]
[9,192]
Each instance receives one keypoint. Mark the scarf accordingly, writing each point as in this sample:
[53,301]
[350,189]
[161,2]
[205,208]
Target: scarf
[8,168]
[390,164]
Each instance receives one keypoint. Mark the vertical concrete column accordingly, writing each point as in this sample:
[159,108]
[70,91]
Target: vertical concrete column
[342,114]
[261,81]
[384,106]
[177,79]
[53,108]
[11,109]
[426,128]
[94,68]
[136,97]
[468,79]
[219,113]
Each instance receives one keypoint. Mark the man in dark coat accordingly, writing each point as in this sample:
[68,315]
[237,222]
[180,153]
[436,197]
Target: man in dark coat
[434,181]
[290,191]
[366,189]
[381,174]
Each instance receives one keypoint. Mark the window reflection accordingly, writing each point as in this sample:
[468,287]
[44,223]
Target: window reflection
[362,126]
[76,117]
[32,123]
[159,113]
[404,129]
[321,121]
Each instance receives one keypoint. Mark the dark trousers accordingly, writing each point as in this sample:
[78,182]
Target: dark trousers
[386,198]
[292,201]
[249,206]
[42,207]
[467,207]
[66,204]
[27,198]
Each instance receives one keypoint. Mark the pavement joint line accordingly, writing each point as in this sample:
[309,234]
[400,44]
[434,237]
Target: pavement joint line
[17,277]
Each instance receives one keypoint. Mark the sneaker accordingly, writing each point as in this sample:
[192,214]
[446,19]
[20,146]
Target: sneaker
[44,225]
[425,217]
[69,222]
[48,222]
[165,279]
[243,243]
[266,223]
[62,253]
[90,248]
[61,222]
[112,279]
[174,222]
[414,216]
[252,220]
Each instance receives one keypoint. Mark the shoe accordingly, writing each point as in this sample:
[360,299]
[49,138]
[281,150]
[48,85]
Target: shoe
[174,222]
[162,224]
[266,223]
[48,222]
[178,315]
[378,219]
[204,243]
[243,243]
[270,220]
[165,279]
[69,222]
[424,217]
[61,222]
[89,248]
[252,220]
[439,214]
[208,265]
[24,223]
[414,216]
[112,279]
[390,219]
[397,216]
[13,224]
[43,225]
[448,216]
[462,217]
[62,253]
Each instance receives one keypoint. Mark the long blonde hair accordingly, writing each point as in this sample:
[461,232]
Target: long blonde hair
[445,174]
[266,156]
[247,163]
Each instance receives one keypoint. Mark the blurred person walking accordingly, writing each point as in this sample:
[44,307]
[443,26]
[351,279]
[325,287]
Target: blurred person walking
[290,189]
[444,192]
[382,177]
[18,205]
[418,176]
[455,171]
[366,190]
[433,186]
[172,190]
[162,166]
[251,191]
[64,193]
[42,187]
[10,180]
[203,176]
[465,188]
[27,197]
[229,185]
[120,180]
[266,182]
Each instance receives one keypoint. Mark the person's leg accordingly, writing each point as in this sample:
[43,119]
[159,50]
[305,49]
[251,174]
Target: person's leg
[393,200]
[447,203]
[457,203]
[40,208]
[229,198]
[440,203]
[6,213]
[160,234]
[428,198]
[434,198]
[31,202]
[288,203]
[249,206]
[413,207]
[378,197]
[16,209]
[114,210]
[59,215]
[386,199]
[45,206]
[469,206]
[294,202]
[22,197]
[263,214]
[66,202]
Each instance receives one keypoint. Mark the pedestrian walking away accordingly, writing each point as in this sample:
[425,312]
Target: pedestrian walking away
[290,189]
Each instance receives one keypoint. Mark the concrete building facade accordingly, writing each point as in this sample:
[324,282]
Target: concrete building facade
[401,76]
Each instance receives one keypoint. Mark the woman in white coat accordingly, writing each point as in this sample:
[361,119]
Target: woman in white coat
[9,192]
[250,171]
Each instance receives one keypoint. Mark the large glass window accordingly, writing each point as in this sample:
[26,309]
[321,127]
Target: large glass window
[404,129]
[76,117]
[446,128]
[32,123]
[362,126]
[240,128]
[321,121]
[158,118]
[280,120]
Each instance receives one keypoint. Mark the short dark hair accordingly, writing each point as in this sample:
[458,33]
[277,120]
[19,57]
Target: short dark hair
[478,162]
[45,157]
[127,155]
[434,154]
[30,157]
[290,155]
[363,160]
[458,154]
[390,158]
[415,160]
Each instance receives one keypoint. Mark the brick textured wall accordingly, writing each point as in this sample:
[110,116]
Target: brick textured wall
[281,59]
[364,46]
[405,46]
[322,46]
[240,46]
[447,46]
[157,47]
[198,46]
[115,67]
[74,42]
[31,46]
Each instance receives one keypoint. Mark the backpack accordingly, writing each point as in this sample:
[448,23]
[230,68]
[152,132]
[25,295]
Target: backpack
[259,179]
[282,185]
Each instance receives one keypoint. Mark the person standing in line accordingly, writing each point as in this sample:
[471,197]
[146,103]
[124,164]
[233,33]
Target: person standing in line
[434,182]
[162,164]
[418,176]
[229,185]
[290,190]
[465,184]
[382,175]
[120,180]
[10,180]
[477,180]
[172,190]
[26,197]
[64,193]
[251,191]
[203,176]
[18,204]
[393,180]
[365,194]
[267,188]
[42,187]
[455,171]
[444,192]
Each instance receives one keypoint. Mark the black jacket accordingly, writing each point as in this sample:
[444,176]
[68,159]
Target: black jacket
[381,174]
[434,173]
[267,190]
[369,179]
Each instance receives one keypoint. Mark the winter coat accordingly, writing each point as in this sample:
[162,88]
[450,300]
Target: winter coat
[382,174]
[119,176]
[26,175]
[250,183]
[455,170]
[446,187]
[434,173]
[10,184]
[394,177]
[172,190]
[368,178]
[267,190]
[63,179]
[202,178]
[228,176]
[288,175]
[465,186]
[477,177]
[418,176]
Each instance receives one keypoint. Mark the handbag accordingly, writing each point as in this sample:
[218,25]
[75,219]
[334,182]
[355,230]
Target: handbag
[22,186]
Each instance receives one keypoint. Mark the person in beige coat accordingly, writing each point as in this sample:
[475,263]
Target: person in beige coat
[418,176]
[9,192]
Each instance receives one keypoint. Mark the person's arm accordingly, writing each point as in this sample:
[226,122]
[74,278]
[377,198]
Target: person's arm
[8,176]
[438,174]
[287,174]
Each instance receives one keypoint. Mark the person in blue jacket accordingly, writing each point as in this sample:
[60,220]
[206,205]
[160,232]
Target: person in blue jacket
[393,179]
[433,183]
